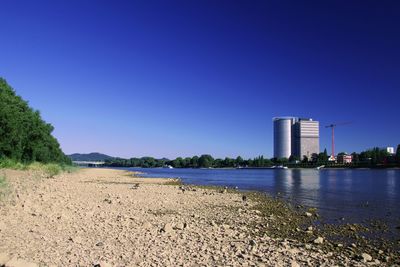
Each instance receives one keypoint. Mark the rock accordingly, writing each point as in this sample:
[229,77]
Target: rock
[340,245]
[167,228]
[102,264]
[308,214]
[318,240]
[240,255]
[180,226]
[366,257]
[4,258]
[294,264]
[310,228]
[14,262]
[225,226]
[146,225]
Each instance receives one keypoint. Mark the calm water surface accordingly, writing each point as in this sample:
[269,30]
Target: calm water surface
[355,195]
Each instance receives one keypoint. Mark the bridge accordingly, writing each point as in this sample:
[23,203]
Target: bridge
[88,163]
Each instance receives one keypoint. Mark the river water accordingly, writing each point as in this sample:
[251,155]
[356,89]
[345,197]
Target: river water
[342,195]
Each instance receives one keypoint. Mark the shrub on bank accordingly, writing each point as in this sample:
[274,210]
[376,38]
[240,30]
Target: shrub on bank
[52,169]
[49,169]
[6,163]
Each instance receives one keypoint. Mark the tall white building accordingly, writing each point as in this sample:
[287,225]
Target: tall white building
[283,136]
[295,136]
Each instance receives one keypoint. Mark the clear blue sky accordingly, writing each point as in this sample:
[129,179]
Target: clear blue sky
[179,78]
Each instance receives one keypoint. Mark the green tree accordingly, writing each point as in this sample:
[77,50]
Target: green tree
[293,158]
[356,157]
[24,136]
[194,162]
[228,162]
[398,154]
[239,161]
[206,161]
[218,163]
[177,163]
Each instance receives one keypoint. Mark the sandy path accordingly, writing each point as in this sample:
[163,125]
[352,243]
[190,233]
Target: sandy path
[95,216]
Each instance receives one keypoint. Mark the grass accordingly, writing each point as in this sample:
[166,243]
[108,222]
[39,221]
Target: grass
[49,169]
[4,187]
[11,164]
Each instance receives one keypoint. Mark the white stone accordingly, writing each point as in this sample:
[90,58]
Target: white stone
[319,240]
[366,257]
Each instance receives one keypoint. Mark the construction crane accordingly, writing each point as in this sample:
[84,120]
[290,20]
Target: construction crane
[332,126]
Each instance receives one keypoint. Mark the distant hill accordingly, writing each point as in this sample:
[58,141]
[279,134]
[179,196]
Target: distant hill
[89,157]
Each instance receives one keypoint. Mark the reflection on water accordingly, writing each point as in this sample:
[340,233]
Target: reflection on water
[356,195]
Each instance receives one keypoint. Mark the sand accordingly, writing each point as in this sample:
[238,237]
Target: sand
[103,217]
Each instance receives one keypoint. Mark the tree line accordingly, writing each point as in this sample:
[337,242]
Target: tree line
[377,156]
[370,157]
[24,136]
[204,161]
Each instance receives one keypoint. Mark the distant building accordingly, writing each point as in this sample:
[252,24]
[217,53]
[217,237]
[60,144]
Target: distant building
[344,159]
[283,136]
[295,136]
[389,149]
[306,135]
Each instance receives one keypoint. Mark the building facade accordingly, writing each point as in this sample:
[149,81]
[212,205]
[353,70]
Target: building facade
[344,159]
[306,132]
[295,136]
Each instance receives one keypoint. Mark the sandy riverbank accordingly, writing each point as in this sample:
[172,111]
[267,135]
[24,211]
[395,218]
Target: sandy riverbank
[101,216]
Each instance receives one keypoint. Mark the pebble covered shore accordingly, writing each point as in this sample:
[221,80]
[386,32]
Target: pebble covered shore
[103,217]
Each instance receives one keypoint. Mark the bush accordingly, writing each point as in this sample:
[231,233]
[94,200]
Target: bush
[69,168]
[49,169]
[52,169]
[6,163]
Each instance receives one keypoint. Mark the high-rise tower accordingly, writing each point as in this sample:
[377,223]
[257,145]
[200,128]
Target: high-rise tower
[306,138]
[283,136]
[295,136]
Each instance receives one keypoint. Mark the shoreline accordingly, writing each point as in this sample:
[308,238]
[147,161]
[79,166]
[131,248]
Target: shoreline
[86,211]
[268,168]
[345,233]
